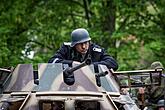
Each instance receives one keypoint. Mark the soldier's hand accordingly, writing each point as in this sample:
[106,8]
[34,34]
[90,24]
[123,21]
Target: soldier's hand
[76,62]
[124,91]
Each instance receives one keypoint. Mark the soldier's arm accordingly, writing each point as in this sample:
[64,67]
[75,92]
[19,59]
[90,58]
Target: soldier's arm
[61,56]
[107,60]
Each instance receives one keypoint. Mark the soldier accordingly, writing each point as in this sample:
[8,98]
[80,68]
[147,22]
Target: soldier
[154,94]
[82,48]
[161,105]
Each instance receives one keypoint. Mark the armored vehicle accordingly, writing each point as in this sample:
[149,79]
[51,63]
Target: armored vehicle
[60,87]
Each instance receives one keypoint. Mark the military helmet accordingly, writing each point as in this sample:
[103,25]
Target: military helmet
[156,65]
[79,35]
[160,103]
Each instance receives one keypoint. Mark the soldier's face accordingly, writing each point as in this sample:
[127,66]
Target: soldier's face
[82,47]
[161,108]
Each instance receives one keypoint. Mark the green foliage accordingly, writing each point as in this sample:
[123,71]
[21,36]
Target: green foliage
[131,31]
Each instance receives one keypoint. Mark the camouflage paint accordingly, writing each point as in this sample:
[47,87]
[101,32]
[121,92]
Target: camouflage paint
[21,88]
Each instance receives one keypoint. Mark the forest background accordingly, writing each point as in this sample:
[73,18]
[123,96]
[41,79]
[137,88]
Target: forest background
[132,31]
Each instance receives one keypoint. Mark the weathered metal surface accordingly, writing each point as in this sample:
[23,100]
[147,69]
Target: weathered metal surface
[51,79]
[89,91]
[21,79]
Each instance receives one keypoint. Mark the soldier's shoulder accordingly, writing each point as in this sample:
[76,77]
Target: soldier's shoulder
[96,48]
[67,43]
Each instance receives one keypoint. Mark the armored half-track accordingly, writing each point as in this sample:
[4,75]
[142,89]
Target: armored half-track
[60,87]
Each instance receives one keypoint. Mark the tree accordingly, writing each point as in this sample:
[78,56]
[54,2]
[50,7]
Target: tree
[131,31]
